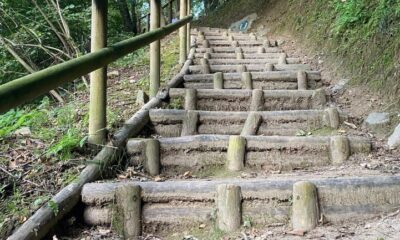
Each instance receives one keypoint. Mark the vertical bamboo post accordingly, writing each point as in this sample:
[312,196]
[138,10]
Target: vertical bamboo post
[152,155]
[148,22]
[98,78]
[183,33]
[129,203]
[155,9]
[189,11]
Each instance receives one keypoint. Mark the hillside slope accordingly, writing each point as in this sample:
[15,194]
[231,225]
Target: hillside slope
[360,39]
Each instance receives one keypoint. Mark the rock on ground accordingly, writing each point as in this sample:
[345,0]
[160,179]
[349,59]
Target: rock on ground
[377,121]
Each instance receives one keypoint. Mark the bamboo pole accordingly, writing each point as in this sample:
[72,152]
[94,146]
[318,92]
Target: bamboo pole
[98,78]
[24,89]
[155,62]
[183,33]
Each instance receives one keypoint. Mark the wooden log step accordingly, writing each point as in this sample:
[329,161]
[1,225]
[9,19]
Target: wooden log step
[264,201]
[222,37]
[233,50]
[196,69]
[248,61]
[259,80]
[250,100]
[256,80]
[172,123]
[191,153]
[216,43]
[234,55]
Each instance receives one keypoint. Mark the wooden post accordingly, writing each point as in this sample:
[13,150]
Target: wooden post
[241,68]
[257,100]
[129,204]
[247,81]
[152,152]
[302,80]
[332,118]
[183,33]
[205,67]
[252,124]
[339,149]
[269,67]
[305,206]
[218,80]
[190,122]
[236,153]
[98,78]
[282,59]
[155,9]
[229,207]
[189,11]
[190,99]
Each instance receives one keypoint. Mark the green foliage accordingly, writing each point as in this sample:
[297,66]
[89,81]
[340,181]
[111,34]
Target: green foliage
[54,207]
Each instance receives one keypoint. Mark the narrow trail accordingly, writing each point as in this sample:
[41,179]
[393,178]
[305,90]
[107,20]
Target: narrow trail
[253,142]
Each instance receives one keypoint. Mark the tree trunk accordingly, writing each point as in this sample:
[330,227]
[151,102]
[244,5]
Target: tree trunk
[135,24]
[126,17]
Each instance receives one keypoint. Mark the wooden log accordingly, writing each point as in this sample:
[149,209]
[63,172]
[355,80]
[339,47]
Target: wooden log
[236,153]
[231,49]
[190,99]
[267,43]
[98,78]
[188,26]
[192,53]
[305,213]
[332,117]
[253,61]
[129,205]
[229,207]
[247,81]
[218,80]
[205,67]
[152,154]
[302,80]
[207,56]
[190,123]
[339,149]
[234,44]
[252,124]
[251,67]
[257,100]
[319,99]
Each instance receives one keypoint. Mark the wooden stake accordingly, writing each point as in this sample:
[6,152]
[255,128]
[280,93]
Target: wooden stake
[218,80]
[269,67]
[129,204]
[155,55]
[282,59]
[241,68]
[152,153]
[229,207]
[205,67]
[332,118]
[261,50]
[190,122]
[236,153]
[98,78]
[257,100]
[247,81]
[206,44]
[339,149]
[190,99]
[252,124]
[305,212]
[183,33]
[302,80]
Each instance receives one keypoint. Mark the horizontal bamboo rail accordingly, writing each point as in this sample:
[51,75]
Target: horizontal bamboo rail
[19,91]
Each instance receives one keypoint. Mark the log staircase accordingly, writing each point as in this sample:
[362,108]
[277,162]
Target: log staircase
[228,146]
